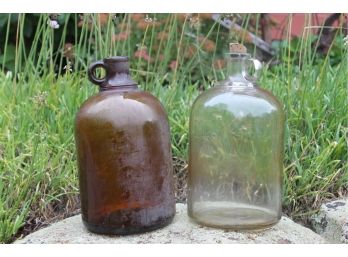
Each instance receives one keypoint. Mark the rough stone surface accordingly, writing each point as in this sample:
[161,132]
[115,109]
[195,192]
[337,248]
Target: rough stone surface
[181,230]
[332,221]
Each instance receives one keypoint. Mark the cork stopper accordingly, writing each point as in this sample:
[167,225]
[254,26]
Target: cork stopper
[237,48]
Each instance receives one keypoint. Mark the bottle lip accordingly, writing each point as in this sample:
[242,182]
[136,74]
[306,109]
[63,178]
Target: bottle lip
[116,59]
[237,55]
[119,88]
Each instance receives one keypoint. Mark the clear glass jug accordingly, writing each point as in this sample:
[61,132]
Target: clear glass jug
[236,151]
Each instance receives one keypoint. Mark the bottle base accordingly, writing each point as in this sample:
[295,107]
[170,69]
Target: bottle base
[233,216]
[110,230]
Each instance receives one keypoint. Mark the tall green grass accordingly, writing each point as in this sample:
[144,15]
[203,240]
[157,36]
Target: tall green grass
[38,170]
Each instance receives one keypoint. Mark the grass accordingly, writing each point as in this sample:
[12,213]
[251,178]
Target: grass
[38,172]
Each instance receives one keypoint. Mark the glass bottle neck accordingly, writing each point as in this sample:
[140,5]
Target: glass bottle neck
[236,69]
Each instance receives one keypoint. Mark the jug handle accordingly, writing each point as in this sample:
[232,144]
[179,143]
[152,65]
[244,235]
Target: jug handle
[91,72]
[258,67]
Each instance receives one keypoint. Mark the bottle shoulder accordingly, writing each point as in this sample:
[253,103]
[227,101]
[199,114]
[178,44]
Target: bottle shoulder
[242,102]
[129,106]
[224,94]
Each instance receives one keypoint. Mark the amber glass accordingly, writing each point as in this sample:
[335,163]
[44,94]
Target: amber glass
[124,156]
[236,152]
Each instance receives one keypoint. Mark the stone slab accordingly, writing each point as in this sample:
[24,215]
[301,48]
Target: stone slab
[181,230]
[332,221]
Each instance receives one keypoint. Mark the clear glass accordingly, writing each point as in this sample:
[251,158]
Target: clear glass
[236,153]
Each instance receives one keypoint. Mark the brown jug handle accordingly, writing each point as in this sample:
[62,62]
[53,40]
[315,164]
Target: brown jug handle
[91,72]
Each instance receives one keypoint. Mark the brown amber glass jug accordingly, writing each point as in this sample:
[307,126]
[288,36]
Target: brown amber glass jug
[124,155]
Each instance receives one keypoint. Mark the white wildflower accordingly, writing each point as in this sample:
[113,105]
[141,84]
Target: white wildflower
[68,67]
[40,99]
[53,24]
[149,19]
[345,40]
[9,75]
